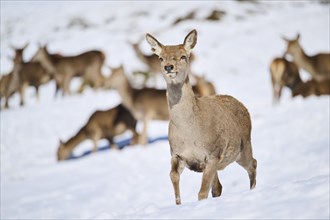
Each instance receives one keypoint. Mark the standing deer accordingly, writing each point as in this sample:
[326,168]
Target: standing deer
[286,73]
[206,133]
[101,124]
[87,65]
[24,74]
[317,65]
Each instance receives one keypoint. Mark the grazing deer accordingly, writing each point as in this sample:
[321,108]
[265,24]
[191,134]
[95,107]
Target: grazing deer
[24,74]
[318,65]
[101,124]
[206,133]
[145,104]
[286,73]
[87,65]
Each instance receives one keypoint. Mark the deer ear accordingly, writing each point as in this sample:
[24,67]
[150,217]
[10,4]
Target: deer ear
[190,40]
[156,47]
[61,142]
[298,36]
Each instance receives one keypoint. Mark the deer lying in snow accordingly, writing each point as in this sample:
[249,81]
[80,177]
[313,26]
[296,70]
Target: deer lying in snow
[101,124]
[87,65]
[318,65]
[206,133]
[286,73]
[24,74]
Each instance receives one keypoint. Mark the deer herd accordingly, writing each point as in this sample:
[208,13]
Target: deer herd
[207,132]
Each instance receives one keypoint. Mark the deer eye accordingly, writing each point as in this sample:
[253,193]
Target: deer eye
[183,58]
[161,59]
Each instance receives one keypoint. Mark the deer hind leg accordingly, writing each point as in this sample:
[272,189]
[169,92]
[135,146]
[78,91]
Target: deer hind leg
[217,187]
[37,93]
[247,161]
[208,178]
[176,170]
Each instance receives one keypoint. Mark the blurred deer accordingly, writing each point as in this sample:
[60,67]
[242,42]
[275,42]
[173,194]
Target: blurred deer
[87,65]
[286,73]
[206,133]
[101,125]
[24,74]
[317,65]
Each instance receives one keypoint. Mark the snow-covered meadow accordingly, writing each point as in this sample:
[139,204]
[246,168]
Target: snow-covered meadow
[290,140]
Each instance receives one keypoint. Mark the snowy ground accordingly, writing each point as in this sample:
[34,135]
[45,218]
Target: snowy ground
[290,140]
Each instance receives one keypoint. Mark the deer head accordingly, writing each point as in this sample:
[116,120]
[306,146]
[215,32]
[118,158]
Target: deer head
[174,59]
[293,46]
[63,152]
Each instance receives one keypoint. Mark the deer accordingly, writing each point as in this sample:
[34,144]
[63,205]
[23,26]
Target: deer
[87,65]
[101,125]
[206,133]
[286,73]
[317,65]
[24,74]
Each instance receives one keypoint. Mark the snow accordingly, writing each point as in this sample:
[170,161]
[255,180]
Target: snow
[290,140]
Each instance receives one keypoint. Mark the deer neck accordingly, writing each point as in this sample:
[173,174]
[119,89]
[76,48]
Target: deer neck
[303,61]
[126,92]
[75,140]
[181,99]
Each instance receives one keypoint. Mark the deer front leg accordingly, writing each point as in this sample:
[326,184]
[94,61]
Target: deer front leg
[207,181]
[144,137]
[217,187]
[176,170]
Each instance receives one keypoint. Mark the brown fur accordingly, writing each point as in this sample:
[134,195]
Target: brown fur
[87,65]
[100,125]
[206,133]
[317,65]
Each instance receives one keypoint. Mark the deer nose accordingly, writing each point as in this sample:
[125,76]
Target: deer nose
[169,68]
